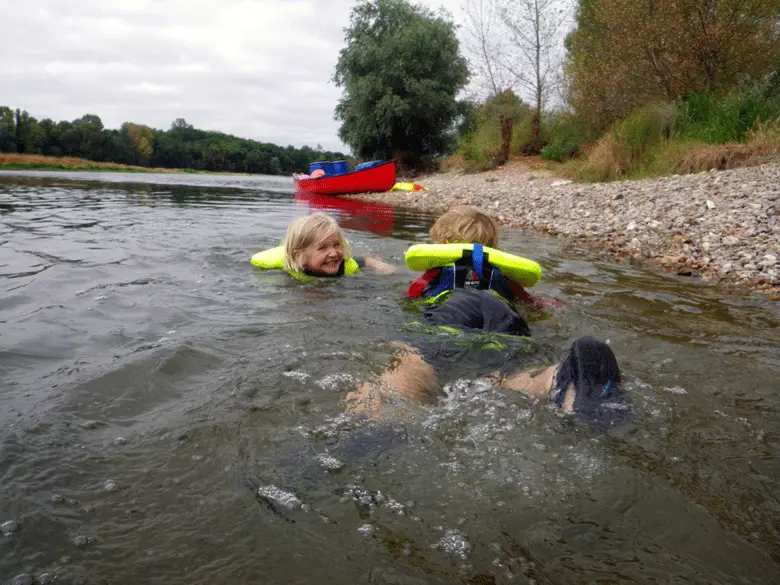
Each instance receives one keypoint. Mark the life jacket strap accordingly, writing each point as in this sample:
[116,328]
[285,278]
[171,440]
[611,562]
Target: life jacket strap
[446,282]
[418,284]
[478,259]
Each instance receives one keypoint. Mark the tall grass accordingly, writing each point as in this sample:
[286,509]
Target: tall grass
[693,134]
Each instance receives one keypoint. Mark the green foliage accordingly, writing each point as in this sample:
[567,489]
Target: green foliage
[563,135]
[624,55]
[662,138]
[7,130]
[30,166]
[181,147]
[707,118]
[400,71]
[481,146]
[630,143]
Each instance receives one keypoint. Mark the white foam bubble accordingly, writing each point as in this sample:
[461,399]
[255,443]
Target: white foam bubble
[279,496]
[454,543]
[330,463]
[300,376]
[335,381]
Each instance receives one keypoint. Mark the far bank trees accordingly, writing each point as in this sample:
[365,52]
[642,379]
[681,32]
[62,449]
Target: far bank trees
[400,72]
[181,147]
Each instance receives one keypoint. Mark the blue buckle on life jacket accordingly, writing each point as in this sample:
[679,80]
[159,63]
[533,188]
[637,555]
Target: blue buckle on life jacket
[478,259]
[478,263]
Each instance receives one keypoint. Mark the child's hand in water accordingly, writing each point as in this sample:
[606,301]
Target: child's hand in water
[543,304]
[547,305]
[377,265]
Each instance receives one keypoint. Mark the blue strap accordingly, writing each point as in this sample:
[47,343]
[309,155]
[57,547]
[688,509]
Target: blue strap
[448,278]
[446,281]
[477,259]
[495,278]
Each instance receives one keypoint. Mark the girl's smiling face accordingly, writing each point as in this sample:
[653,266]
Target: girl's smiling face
[324,258]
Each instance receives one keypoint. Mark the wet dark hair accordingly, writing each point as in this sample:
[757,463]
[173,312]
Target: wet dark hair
[599,399]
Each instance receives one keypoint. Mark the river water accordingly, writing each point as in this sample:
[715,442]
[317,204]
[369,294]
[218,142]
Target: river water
[169,415]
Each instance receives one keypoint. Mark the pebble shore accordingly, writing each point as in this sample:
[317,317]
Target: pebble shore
[722,226]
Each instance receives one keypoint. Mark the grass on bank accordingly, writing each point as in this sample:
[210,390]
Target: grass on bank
[698,133]
[28,162]
[654,142]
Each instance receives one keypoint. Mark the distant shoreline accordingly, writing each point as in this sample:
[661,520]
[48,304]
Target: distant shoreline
[37,162]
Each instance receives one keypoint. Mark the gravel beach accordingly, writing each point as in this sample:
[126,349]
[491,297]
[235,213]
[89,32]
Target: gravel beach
[722,226]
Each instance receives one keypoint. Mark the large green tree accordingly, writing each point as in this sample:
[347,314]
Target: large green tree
[400,71]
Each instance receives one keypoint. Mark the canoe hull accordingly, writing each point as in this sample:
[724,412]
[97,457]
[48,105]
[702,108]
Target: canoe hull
[375,179]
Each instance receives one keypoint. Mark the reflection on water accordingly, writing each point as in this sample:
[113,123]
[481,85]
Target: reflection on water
[168,414]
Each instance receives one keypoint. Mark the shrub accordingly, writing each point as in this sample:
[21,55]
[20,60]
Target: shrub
[629,143]
[563,137]
[717,120]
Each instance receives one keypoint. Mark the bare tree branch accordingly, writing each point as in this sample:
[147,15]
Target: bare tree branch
[536,31]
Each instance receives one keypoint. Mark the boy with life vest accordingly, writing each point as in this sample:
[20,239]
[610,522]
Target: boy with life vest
[315,246]
[466,258]
[472,288]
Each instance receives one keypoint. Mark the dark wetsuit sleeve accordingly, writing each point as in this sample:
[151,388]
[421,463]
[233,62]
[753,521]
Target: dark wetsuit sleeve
[361,262]
[479,309]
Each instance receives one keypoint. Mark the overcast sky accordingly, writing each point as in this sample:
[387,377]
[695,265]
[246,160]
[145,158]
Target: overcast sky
[258,69]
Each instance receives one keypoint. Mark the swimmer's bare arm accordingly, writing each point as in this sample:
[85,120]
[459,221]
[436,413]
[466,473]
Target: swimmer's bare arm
[415,379]
[538,385]
[378,265]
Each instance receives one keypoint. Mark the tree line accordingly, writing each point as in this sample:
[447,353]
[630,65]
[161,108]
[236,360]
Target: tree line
[180,147]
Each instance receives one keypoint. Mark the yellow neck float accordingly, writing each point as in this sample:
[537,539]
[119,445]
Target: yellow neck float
[423,257]
[273,259]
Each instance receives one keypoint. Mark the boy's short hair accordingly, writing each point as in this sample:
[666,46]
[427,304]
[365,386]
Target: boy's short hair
[307,231]
[466,225]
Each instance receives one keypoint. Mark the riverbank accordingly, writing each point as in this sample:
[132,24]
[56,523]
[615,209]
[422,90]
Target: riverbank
[37,162]
[722,226]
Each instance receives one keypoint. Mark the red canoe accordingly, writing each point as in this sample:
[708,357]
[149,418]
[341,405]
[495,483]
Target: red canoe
[379,179]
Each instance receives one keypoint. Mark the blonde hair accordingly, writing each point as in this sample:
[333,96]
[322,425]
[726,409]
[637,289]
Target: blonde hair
[308,231]
[465,224]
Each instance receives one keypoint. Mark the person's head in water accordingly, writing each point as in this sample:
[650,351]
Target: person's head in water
[587,383]
[315,244]
[464,224]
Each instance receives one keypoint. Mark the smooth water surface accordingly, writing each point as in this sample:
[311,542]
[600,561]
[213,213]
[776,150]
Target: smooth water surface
[170,415]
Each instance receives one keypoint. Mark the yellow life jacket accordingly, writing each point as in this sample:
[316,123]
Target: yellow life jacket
[447,266]
[273,259]
[422,257]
